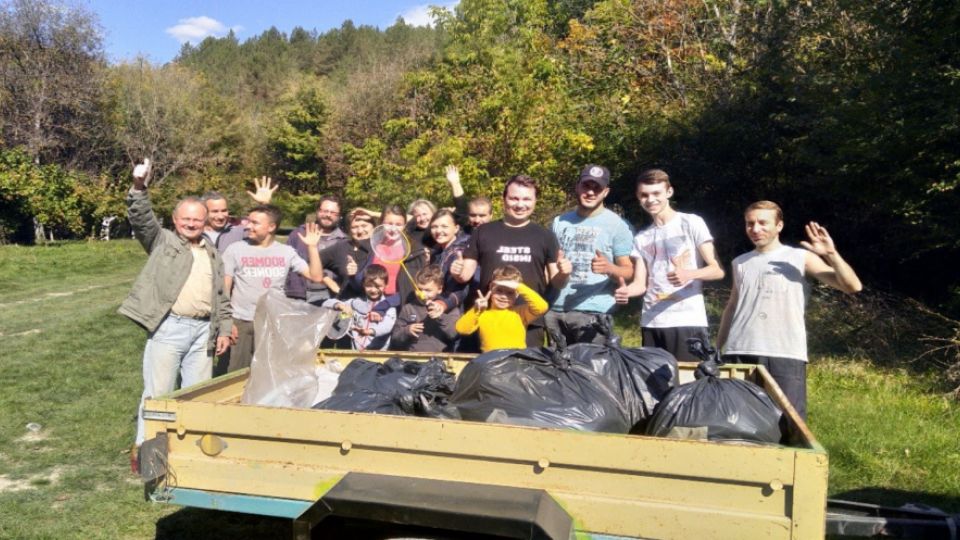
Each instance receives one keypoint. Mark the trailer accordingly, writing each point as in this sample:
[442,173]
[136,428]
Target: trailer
[208,450]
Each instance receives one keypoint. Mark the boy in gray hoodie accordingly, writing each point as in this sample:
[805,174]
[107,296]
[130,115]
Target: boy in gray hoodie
[422,325]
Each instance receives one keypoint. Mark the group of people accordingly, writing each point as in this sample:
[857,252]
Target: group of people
[462,281]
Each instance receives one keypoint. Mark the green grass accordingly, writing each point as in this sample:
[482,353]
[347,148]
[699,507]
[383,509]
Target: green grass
[890,440]
[71,364]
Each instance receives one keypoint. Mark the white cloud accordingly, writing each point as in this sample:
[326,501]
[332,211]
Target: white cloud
[420,15]
[195,29]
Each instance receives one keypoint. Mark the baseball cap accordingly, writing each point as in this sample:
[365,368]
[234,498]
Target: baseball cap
[597,173]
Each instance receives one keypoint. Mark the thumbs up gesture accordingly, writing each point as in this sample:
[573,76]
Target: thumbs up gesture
[563,264]
[351,266]
[456,267]
[600,264]
[622,293]
[141,174]
[680,275]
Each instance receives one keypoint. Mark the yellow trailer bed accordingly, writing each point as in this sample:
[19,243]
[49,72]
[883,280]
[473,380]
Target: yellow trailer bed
[211,451]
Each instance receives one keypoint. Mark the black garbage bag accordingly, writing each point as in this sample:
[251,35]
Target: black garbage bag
[716,409]
[397,387]
[526,387]
[641,376]
[585,387]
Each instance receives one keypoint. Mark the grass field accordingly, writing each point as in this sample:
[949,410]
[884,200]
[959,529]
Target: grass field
[69,363]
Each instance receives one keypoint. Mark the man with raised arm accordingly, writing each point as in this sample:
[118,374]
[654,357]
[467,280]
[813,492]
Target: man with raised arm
[517,241]
[674,256]
[328,219]
[218,230]
[598,244]
[258,264]
[179,297]
[763,322]
[471,213]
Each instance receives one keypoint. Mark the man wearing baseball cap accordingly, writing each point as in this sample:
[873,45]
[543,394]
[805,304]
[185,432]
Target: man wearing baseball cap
[596,244]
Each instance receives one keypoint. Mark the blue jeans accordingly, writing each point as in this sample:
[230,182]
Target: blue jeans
[177,347]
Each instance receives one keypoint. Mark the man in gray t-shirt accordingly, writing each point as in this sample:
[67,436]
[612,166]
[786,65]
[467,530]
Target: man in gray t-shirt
[258,264]
[763,321]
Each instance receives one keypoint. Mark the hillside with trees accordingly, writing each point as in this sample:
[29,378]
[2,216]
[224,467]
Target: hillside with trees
[845,112]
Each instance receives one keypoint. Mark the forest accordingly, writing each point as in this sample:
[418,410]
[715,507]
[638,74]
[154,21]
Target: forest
[843,111]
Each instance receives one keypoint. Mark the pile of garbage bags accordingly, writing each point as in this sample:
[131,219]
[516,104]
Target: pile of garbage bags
[589,387]
[586,387]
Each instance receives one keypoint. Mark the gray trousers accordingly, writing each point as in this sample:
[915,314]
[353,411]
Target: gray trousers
[241,353]
[577,327]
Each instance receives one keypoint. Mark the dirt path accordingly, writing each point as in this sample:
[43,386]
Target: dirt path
[52,295]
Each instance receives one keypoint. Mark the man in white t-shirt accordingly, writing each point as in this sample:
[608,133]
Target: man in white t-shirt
[763,320]
[673,257]
[258,264]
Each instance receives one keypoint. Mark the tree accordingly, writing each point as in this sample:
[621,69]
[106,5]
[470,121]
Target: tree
[55,197]
[295,138]
[51,62]
[170,115]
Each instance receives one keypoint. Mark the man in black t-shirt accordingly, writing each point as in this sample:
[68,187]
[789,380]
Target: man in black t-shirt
[517,241]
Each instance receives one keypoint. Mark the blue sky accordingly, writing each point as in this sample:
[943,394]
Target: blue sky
[157,28]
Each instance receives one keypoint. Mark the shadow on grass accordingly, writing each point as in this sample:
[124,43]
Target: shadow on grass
[896,498]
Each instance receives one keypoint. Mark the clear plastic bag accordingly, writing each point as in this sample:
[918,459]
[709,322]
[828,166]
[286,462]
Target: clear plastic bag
[284,370]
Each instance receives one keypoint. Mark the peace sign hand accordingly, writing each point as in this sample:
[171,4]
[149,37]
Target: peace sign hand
[483,302]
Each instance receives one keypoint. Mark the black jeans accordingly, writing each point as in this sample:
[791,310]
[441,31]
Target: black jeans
[790,375]
[674,340]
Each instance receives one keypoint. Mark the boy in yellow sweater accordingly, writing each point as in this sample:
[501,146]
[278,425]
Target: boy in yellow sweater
[502,323]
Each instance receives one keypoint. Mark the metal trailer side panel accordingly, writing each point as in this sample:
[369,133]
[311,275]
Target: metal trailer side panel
[615,485]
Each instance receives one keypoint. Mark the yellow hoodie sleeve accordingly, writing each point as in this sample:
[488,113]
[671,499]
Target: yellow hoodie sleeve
[468,322]
[534,305]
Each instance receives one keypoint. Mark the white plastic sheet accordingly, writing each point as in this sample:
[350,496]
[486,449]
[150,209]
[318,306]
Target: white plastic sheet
[284,370]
